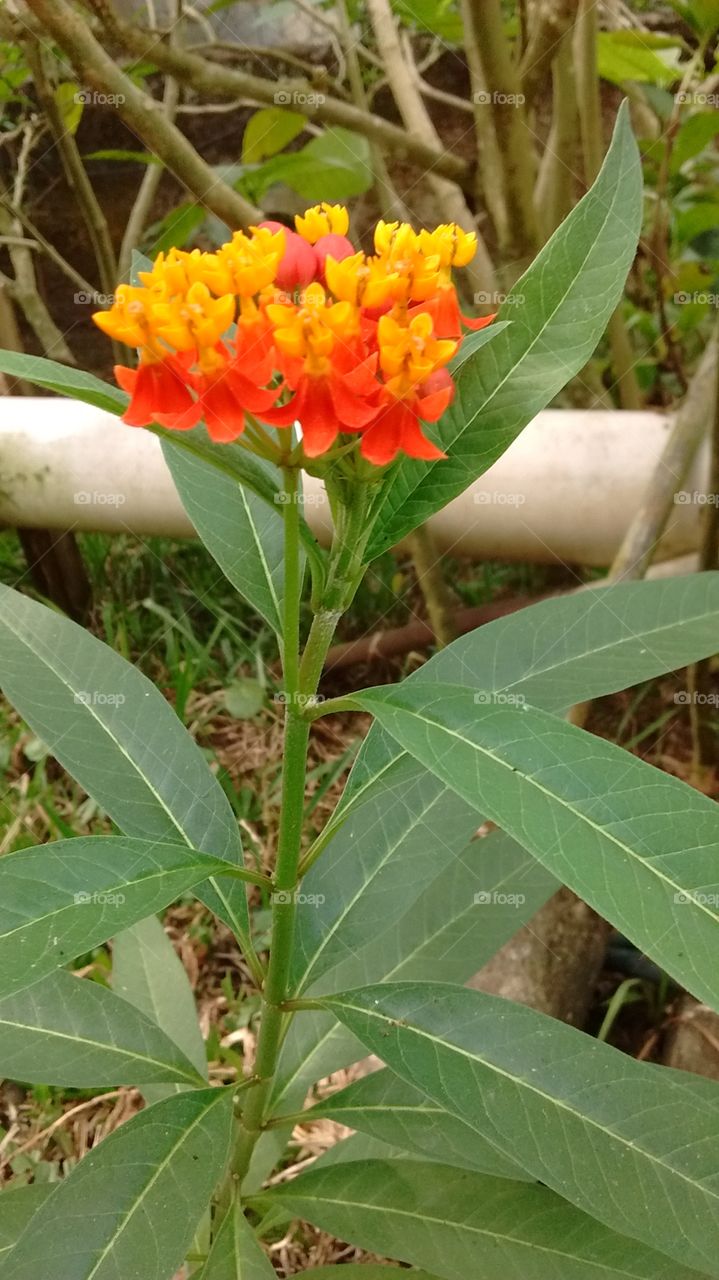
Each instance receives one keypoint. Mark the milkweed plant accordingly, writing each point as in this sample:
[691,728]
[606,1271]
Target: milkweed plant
[494,1142]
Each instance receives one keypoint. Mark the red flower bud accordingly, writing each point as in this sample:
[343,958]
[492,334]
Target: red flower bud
[299,262]
[332,246]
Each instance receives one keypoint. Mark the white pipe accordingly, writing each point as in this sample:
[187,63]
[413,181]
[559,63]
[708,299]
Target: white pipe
[565,490]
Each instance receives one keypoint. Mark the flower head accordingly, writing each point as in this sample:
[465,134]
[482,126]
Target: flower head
[298,326]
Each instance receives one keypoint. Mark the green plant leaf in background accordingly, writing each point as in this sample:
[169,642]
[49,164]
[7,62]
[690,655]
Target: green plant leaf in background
[335,165]
[636,844]
[236,1253]
[460,1224]
[60,900]
[641,56]
[559,310]
[269,131]
[147,972]
[114,732]
[626,1143]
[131,1207]
[70,1031]
[69,102]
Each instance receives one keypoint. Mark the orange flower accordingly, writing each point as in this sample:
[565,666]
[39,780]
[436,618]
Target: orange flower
[343,342]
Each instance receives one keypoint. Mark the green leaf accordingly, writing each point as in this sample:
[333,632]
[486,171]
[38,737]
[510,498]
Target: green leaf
[70,1031]
[559,310]
[242,533]
[115,733]
[130,157]
[637,845]
[460,1224]
[333,166]
[147,972]
[628,1144]
[176,229]
[631,55]
[694,135]
[62,899]
[387,1108]
[69,102]
[52,376]
[269,131]
[17,1206]
[131,1207]
[695,221]
[236,1253]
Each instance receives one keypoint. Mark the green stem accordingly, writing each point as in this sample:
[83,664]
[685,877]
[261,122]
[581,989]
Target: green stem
[300,684]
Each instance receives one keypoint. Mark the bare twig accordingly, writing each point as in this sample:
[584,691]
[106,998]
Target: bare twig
[516,150]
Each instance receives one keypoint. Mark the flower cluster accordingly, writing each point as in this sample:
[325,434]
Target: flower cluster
[296,326]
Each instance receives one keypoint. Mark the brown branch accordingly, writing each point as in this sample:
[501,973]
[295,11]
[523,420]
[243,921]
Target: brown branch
[140,112]
[516,150]
[551,20]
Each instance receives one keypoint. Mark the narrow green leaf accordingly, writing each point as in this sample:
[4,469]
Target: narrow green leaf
[387,1108]
[52,376]
[131,1207]
[636,844]
[236,1253]
[460,1224]
[17,1206]
[70,1031]
[115,733]
[147,972]
[626,1143]
[240,530]
[558,311]
[60,900]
